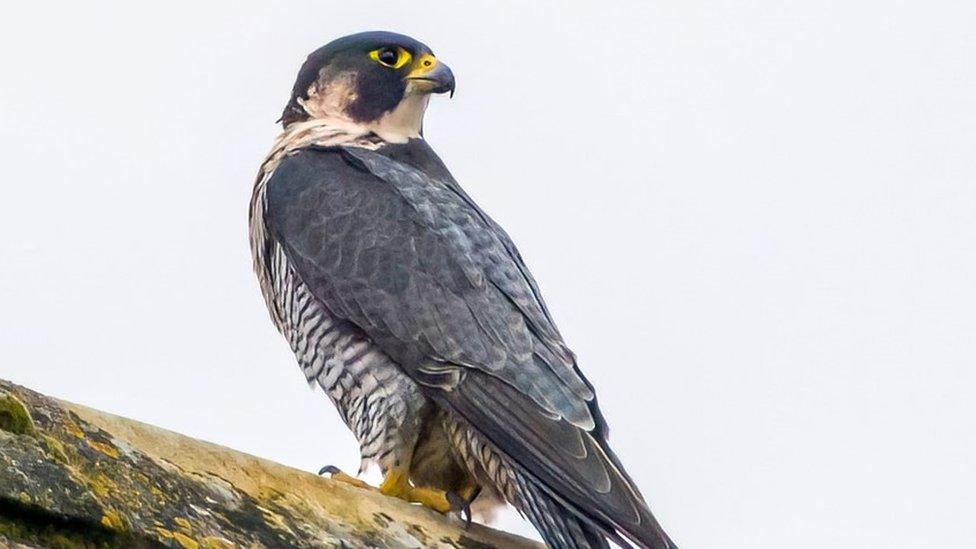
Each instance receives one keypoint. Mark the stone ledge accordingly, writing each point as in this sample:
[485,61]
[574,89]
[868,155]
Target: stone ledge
[71,477]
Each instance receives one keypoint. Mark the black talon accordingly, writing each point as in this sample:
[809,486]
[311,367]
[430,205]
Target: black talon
[330,469]
[460,506]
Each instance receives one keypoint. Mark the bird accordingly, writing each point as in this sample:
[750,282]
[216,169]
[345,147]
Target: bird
[415,313]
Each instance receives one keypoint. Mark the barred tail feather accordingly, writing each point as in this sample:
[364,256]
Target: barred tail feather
[566,482]
[558,528]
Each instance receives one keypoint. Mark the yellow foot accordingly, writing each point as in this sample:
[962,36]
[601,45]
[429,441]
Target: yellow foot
[396,484]
[336,474]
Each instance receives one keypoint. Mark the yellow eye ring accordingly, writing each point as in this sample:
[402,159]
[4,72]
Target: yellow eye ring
[393,58]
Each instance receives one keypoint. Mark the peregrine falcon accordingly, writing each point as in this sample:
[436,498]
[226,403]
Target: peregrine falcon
[414,312]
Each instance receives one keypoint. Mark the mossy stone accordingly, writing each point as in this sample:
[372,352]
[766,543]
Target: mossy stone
[14,417]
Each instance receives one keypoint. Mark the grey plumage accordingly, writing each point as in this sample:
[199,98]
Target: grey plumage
[415,313]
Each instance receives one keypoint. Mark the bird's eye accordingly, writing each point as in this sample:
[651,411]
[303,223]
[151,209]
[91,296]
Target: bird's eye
[390,57]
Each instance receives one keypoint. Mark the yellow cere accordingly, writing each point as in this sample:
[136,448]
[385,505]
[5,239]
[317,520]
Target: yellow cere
[402,57]
[424,64]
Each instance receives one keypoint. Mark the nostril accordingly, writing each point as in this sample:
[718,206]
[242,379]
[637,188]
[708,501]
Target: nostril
[427,62]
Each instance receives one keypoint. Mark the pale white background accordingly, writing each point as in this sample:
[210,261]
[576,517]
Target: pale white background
[754,222]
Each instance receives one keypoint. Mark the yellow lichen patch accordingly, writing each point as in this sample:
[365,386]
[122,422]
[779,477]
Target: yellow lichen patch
[112,520]
[267,493]
[101,485]
[272,518]
[186,542]
[163,533]
[73,429]
[211,542]
[103,448]
[24,498]
[14,417]
[183,524]
[160,495]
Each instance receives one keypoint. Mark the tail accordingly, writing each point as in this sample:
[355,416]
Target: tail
[566,480]
[562,526]
[559,529]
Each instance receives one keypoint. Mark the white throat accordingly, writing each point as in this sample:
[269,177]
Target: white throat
[405,121]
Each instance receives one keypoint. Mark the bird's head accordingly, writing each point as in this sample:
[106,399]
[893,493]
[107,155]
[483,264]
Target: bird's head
[380,81]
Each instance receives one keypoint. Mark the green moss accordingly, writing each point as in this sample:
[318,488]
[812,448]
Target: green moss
[54,448]
[14,417]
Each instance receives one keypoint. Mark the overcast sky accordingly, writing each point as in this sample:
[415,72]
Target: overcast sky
[755,223]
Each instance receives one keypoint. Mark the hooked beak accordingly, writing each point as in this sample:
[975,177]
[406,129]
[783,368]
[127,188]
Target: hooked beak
[431,76]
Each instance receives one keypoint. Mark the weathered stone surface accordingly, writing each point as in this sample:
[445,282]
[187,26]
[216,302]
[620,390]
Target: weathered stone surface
[71,476]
